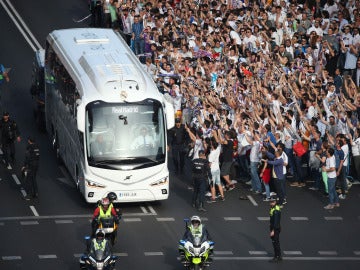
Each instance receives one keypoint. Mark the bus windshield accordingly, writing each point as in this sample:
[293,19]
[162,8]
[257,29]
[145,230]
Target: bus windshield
[125,135]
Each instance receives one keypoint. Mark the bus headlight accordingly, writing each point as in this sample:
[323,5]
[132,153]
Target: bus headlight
[93,184]
[162,181]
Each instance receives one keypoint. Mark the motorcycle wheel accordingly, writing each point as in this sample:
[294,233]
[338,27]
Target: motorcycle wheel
[196,267]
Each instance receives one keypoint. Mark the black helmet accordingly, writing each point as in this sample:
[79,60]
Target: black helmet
[100,234]
[112,196]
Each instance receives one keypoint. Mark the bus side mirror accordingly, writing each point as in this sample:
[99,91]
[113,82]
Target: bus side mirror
[170,115]
[80,115]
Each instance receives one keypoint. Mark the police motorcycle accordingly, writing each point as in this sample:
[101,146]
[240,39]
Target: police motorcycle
[97,257]
[196,254]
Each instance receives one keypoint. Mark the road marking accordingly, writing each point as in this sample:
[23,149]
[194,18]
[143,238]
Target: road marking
[143,209]
[264,258]
[10,258]
[152,210]
[16,179]
[299,218]
[333,218]
[327,252]
[295,252]
[218,252]
[29,222]
[34,210]
[232,218]
[23,192]
[67,216]
[251,199]
[9,167]
[263,218]
[257,252]
[165,219]
[48,256]
[121,254]
[155,253]
[357,252]
[63,221]
[131,219]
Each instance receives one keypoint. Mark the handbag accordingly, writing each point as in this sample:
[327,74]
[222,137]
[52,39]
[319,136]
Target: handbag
[299,149]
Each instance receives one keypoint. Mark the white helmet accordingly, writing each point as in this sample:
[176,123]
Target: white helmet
[195,219]
[100,234]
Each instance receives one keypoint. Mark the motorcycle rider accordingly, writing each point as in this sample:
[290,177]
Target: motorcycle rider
[195,229]
[99,242]
[104,210]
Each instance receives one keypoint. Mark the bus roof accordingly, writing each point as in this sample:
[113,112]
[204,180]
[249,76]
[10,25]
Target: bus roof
[102,65]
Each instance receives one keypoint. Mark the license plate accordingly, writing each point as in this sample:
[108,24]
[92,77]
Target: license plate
[127,194]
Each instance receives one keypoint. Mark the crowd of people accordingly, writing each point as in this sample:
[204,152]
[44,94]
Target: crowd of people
[256,78]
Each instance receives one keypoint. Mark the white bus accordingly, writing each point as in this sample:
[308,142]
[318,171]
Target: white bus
[107,120]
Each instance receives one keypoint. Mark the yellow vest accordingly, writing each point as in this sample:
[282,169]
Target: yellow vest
[277,208]
[196,232]
[106,214]
[99,245]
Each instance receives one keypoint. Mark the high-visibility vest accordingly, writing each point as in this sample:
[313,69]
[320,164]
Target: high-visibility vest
[276,208]
[99,245]
[106,214]
[196,232]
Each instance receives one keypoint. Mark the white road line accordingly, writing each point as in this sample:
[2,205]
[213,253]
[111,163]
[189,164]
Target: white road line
[328,252]
[251,199]
[23,192]
[152,210]
[10,258]
[154,253]
[295,252]
[48,256]
[232,218]
[36,214]
[16,179]
[263,258]
[257,252]
[357,252]
[219,252]
[165,219]
[143,209]
[18,26]
[29,222]
[263,218]
[131,219]
[333,218]
[24,25]
[299,218]
[121,254]
[64,221]
[66,216]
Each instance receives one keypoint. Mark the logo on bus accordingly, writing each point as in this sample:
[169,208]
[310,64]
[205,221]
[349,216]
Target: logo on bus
[130,109]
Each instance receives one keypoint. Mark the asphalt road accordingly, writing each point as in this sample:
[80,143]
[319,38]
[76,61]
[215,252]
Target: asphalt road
[48,233]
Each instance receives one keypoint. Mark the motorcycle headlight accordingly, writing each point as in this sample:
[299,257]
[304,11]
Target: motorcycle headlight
[159,182]
[93,184]
[99,265]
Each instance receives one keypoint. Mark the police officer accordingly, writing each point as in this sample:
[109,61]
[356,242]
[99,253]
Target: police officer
[9,133]
[201,173]
[275,216]
[177,140]
[31,165]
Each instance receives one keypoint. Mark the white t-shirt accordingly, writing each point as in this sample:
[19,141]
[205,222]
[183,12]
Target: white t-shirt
[355,149]
[214,159]
[345,149]
[330,163]
[286,160]
[198,146]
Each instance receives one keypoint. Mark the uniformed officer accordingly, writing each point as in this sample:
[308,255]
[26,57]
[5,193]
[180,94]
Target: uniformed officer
[31,165]
[201,173]
[275,216]
[9,133]
[177,140]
